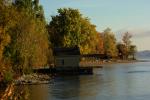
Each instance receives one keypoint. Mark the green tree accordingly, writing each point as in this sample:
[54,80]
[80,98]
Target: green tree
[69,28]
[109,43]
[121,50]
[132,51]
[66,28]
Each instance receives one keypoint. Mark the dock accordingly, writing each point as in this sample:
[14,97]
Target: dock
[82,70]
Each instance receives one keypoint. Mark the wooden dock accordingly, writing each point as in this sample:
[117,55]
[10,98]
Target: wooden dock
[73,71]
[82,70]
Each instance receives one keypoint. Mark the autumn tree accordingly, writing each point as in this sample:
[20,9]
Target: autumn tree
[29,39]
[100,44]
[69,28]
[110,49]
[90,38]
[6,22]
[127,42]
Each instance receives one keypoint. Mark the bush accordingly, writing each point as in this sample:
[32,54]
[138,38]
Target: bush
[8,77]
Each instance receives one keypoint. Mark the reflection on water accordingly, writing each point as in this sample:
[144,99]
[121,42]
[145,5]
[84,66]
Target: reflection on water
[64,88]
[113,82]
[39,92]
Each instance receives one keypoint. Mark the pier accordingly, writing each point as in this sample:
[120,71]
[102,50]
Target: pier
[86,70]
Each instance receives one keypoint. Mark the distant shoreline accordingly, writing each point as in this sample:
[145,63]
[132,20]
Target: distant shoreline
[96,63]
[125,61]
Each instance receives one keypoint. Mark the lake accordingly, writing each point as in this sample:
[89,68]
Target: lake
[124,81]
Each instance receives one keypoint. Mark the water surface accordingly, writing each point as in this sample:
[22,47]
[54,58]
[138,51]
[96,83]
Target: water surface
[129,81]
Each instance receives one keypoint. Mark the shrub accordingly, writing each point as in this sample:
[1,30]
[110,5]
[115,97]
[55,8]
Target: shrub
[8,77]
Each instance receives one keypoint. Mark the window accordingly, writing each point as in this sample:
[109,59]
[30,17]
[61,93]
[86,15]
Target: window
[62,62]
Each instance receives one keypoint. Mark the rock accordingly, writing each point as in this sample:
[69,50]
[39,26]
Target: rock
[33,79]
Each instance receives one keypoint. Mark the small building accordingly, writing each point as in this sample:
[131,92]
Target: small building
[66,57]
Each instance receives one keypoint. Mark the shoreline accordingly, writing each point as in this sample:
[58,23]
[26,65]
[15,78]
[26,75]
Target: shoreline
[33,79]
[124,61]
[30,79]
[37,78]
[44,78]
[97,63]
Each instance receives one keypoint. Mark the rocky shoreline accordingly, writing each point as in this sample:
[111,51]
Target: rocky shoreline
[30,79]
[33,79]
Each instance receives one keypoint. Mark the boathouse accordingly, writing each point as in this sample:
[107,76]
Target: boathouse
[67,62]
[66,57]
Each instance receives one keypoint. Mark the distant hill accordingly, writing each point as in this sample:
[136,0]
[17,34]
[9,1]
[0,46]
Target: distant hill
[143,54]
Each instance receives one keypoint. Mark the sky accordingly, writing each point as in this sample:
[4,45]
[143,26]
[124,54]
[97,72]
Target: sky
[119,15]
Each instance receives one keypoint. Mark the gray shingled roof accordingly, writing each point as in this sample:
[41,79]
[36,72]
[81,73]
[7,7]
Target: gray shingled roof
[66,51]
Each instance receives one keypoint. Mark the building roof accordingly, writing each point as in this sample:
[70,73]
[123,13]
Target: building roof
[66,51]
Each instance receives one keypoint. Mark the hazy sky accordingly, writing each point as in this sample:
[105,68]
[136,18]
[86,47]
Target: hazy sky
[119,15]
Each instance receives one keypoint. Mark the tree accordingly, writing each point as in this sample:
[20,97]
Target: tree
[127,42]
[121,50]
[29,45]
[23,4]
[69,29]
[110,49]
[31,7]
[6,15]
[90,38]
[4,21]
[99,44]
[133,50]
[65,28]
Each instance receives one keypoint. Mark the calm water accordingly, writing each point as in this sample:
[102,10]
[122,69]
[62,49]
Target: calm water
[113,82]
